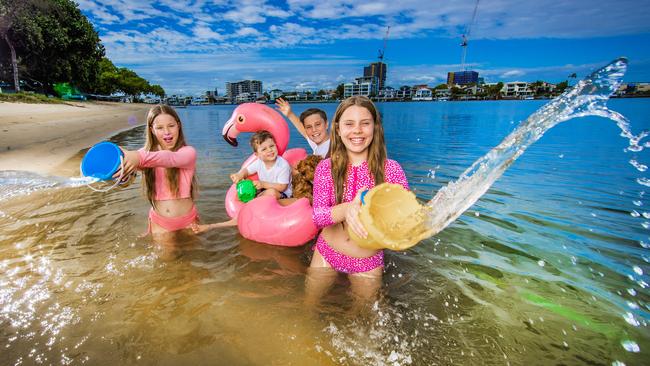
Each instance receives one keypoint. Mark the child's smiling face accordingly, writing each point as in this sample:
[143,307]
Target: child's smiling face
[316,128]
[267,151]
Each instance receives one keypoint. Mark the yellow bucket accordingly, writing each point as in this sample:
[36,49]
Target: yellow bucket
[393,218]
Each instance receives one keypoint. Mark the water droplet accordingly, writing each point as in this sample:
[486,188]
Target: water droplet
[634,213]
[638,270]
[643,181]
[630,319]
[640,167]
[637,203]
[561,156]
[541,263]
[618,363]
[631,346]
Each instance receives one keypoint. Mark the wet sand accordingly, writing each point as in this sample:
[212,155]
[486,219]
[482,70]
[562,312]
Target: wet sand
[42,137]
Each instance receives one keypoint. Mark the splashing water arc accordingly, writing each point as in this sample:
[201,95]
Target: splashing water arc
[586,98]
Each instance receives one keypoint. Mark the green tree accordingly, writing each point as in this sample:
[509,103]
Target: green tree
[560,87]
[56,42]
[108,78]
[12,12]
[340,91]
[441,86]
[494,91]
[455,92]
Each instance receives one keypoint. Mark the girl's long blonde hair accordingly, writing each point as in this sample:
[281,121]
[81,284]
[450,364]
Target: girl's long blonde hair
[151,144]
[338,152]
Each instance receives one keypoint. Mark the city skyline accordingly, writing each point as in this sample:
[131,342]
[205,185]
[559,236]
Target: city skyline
[189,47]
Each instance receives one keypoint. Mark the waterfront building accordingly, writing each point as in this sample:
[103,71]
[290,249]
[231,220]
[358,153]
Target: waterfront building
[423,94]
[378,70]
[234,89]
[517,90]
[248,97]
[387,93]
[275,94]
[462,78]
[366,86]
[404,92]
[443,94]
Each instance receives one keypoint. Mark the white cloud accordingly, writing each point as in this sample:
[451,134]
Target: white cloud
[204,33]
[247,31]
[249,14]
[512,74]
[163,38]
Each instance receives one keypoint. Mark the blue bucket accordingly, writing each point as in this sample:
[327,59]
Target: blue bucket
[102,161]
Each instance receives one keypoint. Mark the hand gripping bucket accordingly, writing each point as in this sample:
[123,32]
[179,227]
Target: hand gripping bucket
[393,218]
[101,162]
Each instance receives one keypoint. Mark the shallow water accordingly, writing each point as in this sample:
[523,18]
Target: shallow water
[547,268]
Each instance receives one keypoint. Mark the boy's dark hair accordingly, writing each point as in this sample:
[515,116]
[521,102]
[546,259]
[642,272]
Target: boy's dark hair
[259,137]
[311,111]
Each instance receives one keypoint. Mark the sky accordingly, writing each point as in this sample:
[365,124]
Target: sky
[189,47]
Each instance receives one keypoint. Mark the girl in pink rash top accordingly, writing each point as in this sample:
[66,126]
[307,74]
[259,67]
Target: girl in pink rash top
[167,164]
[358,162]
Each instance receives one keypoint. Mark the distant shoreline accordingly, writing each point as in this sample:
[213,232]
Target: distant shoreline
[404,101]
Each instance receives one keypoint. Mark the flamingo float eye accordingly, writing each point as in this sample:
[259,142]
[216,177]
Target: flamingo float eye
[240,119]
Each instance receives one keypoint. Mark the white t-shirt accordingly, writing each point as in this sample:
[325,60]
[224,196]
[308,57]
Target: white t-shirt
[321,149]
[280,173]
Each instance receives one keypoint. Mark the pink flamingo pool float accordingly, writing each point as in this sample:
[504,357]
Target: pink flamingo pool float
[263,219]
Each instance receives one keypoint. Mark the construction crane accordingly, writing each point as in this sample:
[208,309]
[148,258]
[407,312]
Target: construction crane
[466,37]
[383,50]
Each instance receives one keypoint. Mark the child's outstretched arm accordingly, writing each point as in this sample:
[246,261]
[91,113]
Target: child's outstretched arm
[130,163]
[241,174]
[285,108]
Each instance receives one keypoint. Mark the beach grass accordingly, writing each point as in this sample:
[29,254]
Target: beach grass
[29,98]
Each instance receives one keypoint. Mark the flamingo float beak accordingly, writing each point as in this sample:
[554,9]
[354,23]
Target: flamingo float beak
[229,132]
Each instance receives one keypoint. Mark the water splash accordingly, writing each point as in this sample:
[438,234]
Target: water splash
[587,98]
[17,183]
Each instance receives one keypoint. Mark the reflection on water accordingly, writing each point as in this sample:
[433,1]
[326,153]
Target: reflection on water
[546,268]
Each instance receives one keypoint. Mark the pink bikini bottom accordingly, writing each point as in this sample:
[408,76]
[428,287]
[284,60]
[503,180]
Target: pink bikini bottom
[172,223]
[347,264]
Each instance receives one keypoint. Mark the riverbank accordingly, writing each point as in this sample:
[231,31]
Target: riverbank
[41,137]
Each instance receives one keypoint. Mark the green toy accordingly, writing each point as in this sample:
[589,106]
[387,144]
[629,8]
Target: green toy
[246,190]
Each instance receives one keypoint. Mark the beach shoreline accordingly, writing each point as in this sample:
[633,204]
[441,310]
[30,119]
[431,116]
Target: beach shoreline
[42,138]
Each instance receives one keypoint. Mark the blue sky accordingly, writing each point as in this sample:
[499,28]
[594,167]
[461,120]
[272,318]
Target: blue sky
[189,47]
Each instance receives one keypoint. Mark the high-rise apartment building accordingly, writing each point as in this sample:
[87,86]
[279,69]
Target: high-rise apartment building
[462,78]
[378,70]
[252,87]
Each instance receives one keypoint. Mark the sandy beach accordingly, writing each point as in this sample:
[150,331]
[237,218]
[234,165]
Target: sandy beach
[42,137]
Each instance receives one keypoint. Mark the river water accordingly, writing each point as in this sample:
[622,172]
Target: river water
[550,266]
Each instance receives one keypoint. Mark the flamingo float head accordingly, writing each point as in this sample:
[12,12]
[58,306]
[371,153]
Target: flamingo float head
[253,117]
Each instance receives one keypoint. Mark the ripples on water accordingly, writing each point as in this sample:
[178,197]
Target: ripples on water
[547,268]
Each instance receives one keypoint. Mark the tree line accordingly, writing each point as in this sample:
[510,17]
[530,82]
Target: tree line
[51,41]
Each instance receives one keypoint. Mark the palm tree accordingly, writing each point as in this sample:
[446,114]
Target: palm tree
[573,76]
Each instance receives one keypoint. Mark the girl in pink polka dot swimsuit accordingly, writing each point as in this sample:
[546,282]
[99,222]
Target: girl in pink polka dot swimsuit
[358,162]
